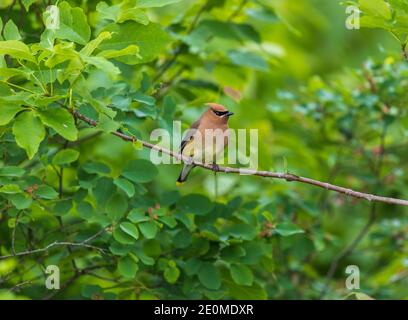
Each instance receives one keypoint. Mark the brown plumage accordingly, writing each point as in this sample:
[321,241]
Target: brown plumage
[214,118]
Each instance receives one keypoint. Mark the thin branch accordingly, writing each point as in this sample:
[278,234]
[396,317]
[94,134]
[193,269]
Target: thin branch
[181,47]
[404,52]
[168,63]
[348,250]
[96,235]
[244,171]
[18,286]
[366,228]
[51,245]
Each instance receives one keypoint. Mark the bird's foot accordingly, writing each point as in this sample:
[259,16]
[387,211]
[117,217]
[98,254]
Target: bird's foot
[215,167]
[189,161]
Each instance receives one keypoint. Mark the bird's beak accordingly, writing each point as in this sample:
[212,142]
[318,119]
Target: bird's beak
[229,113]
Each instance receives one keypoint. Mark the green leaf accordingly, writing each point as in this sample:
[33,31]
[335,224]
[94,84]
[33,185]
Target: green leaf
[151,40]
[140,171]
[103,64]
[171,274]
[7,73]
[149,261]
[120,236]
[46,192]
[287,229]
[130,229]
[103,190]
[61,121]
[65,156]
[62,207]
[118,249]
[11,31]
[241,274]
[16,49]
[152,248]
[242,231]
[21,200]
[85,210]
[10,189]
[126,10]
[169,221]
[196,204]
[126,186]
[209,276]
[12,172]
[92,45]
[148,229]
[137,215]
[116,206]
[208,29]
[28,3]
[127,267]
[192,266]
[376,8]
[248,59]
[140,97]
[96,167]
[73,24]
[254,292]
[130,50]
[29,132]
[107,124]
[61,53]
[8,111]
[154,3]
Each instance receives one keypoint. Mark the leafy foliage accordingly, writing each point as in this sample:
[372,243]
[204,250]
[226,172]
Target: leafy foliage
[136,65]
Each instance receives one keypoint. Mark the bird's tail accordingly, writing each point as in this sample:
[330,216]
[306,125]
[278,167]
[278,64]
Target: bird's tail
[184,173]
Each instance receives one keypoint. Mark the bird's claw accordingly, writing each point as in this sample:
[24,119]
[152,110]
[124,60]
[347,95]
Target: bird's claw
[215,167]
[189,161]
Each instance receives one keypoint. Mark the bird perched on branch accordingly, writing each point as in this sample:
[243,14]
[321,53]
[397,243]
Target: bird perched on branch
[206,138]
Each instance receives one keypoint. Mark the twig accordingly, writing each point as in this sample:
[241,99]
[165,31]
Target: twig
[244,171]
[363,232]
[95,235]
[181,47]
[18,286]
[404,51]
[51,245]
[167,64]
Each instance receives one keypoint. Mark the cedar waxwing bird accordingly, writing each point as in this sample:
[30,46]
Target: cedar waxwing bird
[200,142]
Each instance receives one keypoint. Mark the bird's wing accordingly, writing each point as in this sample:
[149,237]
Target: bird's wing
[188,138]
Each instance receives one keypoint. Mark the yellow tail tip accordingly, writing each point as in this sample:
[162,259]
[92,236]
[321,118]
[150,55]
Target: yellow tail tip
[178,184]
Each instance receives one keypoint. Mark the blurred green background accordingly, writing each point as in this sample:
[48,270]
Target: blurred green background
[329,104]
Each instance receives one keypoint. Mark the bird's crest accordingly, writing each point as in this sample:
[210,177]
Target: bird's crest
[216,107]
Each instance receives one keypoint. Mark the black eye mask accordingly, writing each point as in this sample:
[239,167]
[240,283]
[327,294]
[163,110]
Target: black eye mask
[220,113]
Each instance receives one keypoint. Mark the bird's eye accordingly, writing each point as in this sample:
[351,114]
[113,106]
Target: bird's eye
[219,113]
